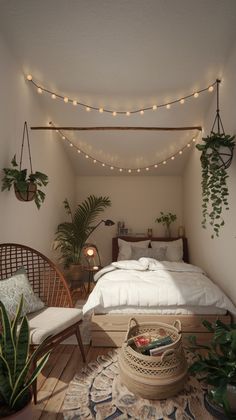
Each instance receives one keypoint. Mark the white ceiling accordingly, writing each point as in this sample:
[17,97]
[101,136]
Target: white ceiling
[122,55]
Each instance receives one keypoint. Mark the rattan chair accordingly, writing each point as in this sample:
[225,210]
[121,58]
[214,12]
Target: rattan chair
[48,283]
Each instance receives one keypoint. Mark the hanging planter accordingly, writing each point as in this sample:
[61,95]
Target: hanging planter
[29,192]
[26,187]
[217,153]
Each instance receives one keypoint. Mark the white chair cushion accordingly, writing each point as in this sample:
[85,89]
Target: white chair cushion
[51,321]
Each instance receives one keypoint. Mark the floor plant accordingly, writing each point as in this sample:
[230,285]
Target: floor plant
[16,375]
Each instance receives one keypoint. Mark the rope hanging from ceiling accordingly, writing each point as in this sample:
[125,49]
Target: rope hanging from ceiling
[88,107]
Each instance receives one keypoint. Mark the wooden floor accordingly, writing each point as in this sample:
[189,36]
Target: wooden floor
[55,377]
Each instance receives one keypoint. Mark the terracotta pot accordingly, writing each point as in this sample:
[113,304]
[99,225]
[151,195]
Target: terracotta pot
[74,274]
[25,413]
[28,195]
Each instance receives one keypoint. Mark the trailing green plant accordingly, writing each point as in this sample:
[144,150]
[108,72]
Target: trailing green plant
[71,237]
[166,218]
[218,364]
[21,181]
[16,376]
[214,176]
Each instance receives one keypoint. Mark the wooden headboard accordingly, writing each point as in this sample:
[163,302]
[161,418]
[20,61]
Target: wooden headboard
[115,248]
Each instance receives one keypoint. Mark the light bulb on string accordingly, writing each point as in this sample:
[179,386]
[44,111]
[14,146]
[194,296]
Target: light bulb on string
[154,107]
[114,113]
[66,100]
[182,101]
[211,88]
[39,90]
[168,106]
[75,102]
[88,108]
[196,95]
[53,96]
[128,113]
[29,77]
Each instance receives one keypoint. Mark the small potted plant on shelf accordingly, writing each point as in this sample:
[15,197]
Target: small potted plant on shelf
[26,186]
[166,219]
[71,237]
[217,153]
[217,366]
[16,375]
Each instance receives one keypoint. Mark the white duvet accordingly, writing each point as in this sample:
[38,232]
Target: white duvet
[152,284]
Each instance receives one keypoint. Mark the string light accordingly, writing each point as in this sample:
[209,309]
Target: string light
[53,96]
[113,112]
[129,170]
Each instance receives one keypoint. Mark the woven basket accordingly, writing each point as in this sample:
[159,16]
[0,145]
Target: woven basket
[154,377]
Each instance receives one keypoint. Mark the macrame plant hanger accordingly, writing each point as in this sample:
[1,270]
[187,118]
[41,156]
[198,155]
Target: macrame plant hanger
[29,191]
[225,154]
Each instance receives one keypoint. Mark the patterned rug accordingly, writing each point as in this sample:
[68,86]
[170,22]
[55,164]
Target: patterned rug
[97,393]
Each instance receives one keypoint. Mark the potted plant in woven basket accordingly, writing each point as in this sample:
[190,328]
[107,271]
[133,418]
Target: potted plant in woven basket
[217,365]
[26,186]
[16,375]
[71,236]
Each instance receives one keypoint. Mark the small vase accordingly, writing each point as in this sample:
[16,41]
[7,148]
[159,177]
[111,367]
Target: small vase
[167,232]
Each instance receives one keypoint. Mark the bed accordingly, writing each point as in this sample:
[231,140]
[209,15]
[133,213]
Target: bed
[129,288]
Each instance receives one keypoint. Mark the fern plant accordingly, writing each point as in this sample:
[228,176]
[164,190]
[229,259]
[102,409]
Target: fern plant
[71,237]
[16,377]
[214,176]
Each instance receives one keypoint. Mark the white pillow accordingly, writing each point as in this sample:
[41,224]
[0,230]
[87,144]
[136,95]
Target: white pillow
[125,250]
[156,253]
[131,265]
[11,290]
[174,249]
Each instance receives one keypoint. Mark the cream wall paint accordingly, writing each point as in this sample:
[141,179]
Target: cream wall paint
[22,222]
[217,256]
[136,200]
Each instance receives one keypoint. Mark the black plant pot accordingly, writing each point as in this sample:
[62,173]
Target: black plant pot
[214,409]
[27,195]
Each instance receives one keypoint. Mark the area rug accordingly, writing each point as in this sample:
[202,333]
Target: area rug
[97,393]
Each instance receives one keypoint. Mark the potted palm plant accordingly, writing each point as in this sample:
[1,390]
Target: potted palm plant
[217,365]
[16,375]
[216,156]
[166,219]
[26,186]
[71,237]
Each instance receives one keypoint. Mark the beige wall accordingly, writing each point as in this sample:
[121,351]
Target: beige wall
[217,256]
[22,222]
[135,200]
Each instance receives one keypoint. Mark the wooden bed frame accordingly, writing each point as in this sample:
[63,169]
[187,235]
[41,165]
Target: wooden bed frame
[109,330]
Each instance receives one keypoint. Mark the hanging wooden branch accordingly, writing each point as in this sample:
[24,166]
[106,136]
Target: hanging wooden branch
[199,128]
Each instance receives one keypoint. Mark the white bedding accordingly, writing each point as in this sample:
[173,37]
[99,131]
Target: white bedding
[153,284]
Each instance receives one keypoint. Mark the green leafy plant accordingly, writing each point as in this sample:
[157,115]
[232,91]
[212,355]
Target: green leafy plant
[71,237]
[214,176]
[23,182]
[16,376]
[218,364]
[166,218]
